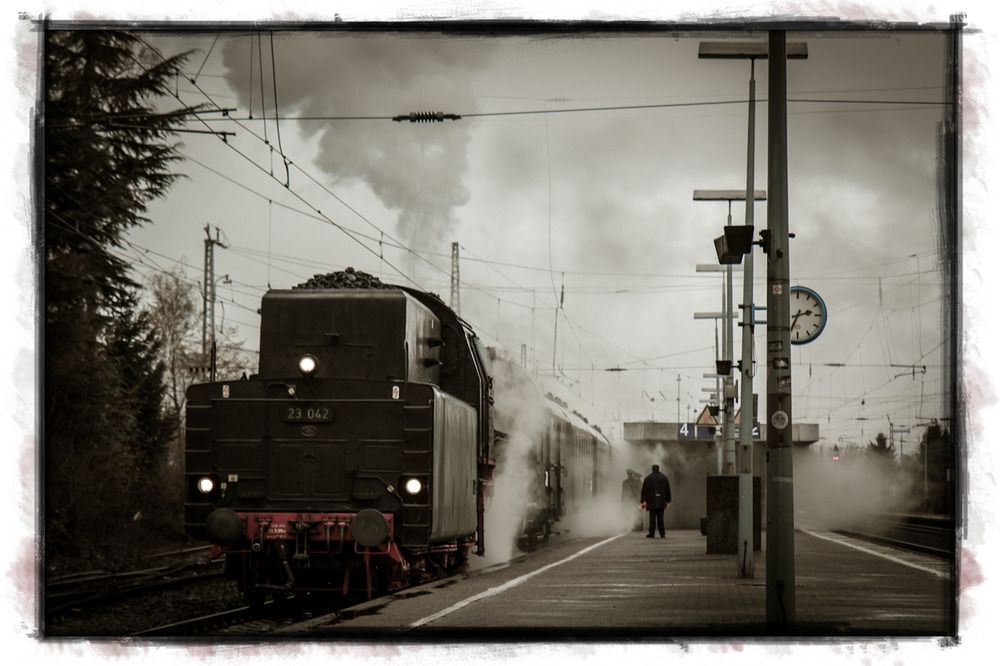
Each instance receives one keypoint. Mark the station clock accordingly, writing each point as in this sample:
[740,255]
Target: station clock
[808,315]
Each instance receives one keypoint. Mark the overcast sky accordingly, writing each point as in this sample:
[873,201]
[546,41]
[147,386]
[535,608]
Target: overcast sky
[592,199]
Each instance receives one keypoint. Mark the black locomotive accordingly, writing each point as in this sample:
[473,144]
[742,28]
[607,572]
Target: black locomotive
[360,458]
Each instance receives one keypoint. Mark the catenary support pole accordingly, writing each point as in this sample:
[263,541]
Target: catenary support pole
[780,587]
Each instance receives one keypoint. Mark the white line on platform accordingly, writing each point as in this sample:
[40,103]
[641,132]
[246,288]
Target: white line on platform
[493,591]
[937,573]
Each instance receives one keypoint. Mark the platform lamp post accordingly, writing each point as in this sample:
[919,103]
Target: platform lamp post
[716,398]
[731,249]
[723,365]
[735,244]
[745,538]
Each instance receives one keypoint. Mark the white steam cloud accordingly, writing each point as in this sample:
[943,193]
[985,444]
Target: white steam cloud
[520,414]
[844,494]
[603,514]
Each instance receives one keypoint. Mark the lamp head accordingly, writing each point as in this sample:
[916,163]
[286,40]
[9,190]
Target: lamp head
[734,243]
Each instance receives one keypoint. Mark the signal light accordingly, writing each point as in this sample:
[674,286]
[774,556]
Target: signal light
[413,486]
[206,485]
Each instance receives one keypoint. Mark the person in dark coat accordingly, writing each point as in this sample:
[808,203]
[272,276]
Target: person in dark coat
[631,488]
[655,496]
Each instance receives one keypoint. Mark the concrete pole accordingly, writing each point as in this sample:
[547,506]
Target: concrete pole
[678,398]
[780,588]
[724,440]
[720,439]
[729,390]
[744,547]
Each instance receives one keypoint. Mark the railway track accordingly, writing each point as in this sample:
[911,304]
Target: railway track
[927,534]
[270,618]
[237,621]
[296,618]
[93,587]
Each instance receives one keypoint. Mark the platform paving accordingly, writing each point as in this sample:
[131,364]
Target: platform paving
[631,586]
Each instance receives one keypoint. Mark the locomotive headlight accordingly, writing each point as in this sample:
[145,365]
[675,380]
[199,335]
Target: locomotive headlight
[307,364]
[413,486]
[206,485]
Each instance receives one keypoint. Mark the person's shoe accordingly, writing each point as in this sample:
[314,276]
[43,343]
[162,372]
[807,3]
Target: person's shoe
[663,536]
[649,536]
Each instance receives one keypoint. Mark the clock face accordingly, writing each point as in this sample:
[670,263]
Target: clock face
[808,315]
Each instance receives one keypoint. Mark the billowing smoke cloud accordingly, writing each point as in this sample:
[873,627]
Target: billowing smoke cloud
[415,169]
[604,514]
[843,494]
[674,461]
[520,414]
[828,494]
[512,495]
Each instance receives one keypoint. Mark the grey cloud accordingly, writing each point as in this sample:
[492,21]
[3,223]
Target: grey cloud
[416,170]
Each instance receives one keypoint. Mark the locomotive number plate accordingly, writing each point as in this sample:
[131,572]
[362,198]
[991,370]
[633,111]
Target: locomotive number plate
[308,414]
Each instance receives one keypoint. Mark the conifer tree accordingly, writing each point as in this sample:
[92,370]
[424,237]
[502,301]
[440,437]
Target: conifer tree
[107,153]
[881,453]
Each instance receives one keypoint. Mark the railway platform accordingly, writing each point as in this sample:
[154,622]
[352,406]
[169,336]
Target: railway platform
[627,586]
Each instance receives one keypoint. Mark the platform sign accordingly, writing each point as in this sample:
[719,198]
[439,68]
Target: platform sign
[702,432]
[696,431]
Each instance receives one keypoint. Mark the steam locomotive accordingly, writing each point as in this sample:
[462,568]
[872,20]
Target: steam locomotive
[360,459]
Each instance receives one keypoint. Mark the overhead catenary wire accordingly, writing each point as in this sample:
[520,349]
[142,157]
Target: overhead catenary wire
[550,271]
[382,233]
[140,258]
[571,110]
[598,109]
[487,288]
[207,55]
[301,198]
[554,111]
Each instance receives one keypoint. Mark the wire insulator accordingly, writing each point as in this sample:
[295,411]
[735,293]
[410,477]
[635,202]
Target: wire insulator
[426,117]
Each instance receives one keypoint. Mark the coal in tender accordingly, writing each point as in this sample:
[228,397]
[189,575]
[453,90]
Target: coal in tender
[345,279]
